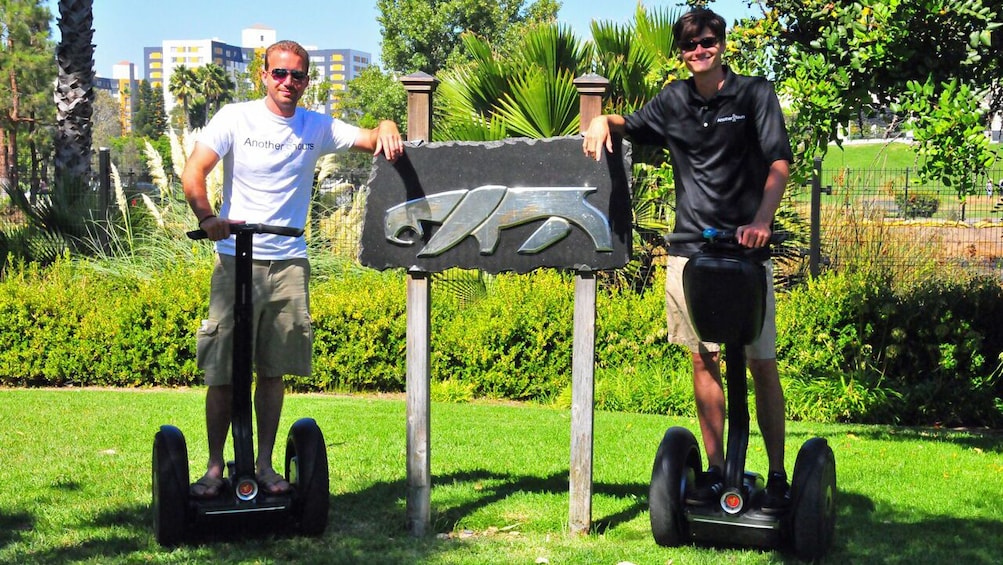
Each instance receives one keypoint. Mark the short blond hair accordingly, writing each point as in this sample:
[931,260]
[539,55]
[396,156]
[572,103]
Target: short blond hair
[291,47]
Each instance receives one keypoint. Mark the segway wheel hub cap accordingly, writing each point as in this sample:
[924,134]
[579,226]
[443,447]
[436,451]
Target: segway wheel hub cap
[732,502]
[247,489]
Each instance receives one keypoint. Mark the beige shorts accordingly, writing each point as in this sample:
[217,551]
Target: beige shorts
[680,328]
[282,337]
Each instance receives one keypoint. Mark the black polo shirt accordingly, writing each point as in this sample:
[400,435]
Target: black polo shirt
[721,149]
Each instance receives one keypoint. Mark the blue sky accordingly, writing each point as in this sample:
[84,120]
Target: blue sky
[123,27]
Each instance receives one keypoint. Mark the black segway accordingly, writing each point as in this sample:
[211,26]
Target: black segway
[725,292]
[175,513]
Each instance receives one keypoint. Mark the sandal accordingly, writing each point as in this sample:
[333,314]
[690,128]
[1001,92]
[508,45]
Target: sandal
[271,482]
[206,487]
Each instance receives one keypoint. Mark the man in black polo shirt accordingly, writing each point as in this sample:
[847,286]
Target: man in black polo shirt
[730,156]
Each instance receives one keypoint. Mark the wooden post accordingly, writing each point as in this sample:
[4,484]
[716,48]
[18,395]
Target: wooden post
[582,396]
[591,89]
[419,88]
[419,469]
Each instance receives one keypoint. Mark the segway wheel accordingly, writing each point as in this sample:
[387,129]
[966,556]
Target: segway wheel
[307,472]
[813,498]
[170,486]
[676,464]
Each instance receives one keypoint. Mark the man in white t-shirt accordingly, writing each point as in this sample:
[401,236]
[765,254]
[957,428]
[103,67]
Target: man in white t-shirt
[269,149]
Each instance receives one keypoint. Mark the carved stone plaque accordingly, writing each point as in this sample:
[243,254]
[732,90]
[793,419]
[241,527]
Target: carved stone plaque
[513,205]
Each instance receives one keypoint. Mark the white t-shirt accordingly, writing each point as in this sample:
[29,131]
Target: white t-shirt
[268,169]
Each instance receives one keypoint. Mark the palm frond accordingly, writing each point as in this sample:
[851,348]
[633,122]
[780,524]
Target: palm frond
[540,106]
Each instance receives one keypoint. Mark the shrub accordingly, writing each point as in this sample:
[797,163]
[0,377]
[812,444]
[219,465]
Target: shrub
[67,325]
[917,204]
[359,326]
[854,349]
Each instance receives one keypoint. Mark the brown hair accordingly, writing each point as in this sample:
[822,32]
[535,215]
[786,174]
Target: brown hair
[290,46]
[695,21]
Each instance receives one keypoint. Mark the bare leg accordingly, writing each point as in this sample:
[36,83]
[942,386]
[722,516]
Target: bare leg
[218,403]
[709,395]
[770,409]
[268,397]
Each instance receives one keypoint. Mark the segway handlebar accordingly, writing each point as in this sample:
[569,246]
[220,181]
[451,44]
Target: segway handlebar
[253,228]
[712,235]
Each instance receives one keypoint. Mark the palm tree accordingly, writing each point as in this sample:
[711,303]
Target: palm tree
[531,93]
[182,87]
[215,86]
[74,95]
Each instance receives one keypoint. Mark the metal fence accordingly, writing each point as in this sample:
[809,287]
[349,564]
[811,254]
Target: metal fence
[894,219]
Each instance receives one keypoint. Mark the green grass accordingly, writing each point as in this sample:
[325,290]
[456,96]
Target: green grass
[863,156]
[76,486]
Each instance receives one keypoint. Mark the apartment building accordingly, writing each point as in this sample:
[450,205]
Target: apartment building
[337,66]
[161,62]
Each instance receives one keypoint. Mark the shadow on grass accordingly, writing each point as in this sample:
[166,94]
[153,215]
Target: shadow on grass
[13,526]
[369,526]
[990,441]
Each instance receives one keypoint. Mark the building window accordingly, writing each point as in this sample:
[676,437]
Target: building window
[337,57]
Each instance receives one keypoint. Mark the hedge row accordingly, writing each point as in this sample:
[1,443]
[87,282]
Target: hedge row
[850,348]
[69,325]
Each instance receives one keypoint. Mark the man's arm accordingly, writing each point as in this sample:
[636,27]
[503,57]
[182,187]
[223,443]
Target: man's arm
[385,138]
[600,134]
[200,163]
[757,234]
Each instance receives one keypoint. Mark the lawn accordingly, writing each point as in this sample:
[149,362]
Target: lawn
[76,486]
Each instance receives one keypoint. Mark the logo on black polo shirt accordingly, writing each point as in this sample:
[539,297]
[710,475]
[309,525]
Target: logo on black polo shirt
[731,118]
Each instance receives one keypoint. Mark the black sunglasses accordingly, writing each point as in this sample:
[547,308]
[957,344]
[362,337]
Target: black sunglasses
[706,43]
[281,74]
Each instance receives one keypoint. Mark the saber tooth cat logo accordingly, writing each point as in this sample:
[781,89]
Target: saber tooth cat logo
[484,211]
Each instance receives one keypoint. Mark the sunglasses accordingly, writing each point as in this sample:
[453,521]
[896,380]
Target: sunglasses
[706,43]
[281,74]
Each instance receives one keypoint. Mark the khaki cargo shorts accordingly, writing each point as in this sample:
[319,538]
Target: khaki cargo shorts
[282,337]
[680,327]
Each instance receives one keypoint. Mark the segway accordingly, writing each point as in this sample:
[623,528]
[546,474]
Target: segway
[725,292]
[176,515]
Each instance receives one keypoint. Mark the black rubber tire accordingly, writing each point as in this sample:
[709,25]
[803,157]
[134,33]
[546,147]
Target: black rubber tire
[813,500]
[676,463]
[170,486]
[307,472]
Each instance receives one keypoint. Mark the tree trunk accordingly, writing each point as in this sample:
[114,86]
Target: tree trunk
[74,94]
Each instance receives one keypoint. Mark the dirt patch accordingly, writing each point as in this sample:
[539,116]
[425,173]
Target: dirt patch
[983,243]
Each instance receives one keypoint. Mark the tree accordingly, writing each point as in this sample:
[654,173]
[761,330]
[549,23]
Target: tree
[836,59]
[424,35]
[74,94]
[249,84]
[214,86]
[183,88]
[373,96]
[150,120]
[106,123]
[27,73]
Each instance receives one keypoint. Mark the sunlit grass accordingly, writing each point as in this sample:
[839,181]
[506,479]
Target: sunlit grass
[76,468]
